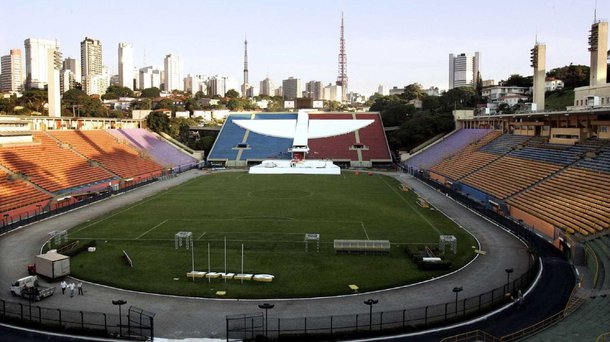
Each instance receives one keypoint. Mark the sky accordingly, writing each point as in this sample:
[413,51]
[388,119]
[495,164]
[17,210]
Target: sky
[388,42]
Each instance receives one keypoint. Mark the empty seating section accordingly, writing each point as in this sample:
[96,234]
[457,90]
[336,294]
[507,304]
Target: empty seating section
[504,144]
[337,147]
[576,200]
[599,163]
[120,158]
[444,148]
[15,193]
[547,154]
[257,147]
[230,135]
[262,147]
[468,160]
[158,149]
[373,137]
[509,175]
[50,166]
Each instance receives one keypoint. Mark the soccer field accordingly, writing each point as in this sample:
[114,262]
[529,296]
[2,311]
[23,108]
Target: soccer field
[269,215]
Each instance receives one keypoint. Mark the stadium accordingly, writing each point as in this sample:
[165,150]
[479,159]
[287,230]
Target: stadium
[115,183]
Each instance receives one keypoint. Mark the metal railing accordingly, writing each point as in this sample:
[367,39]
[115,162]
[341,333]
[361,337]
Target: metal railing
[136,325]
[381,322]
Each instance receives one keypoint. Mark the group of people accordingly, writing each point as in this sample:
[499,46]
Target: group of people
[71,288]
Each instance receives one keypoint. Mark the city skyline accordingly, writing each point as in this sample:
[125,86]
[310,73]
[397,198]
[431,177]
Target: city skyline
[394,43]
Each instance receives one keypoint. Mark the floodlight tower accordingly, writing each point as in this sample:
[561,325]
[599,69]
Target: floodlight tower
[538,58]
[342,77]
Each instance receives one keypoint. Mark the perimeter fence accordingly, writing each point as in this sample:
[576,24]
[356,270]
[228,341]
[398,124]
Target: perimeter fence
[137,324]
[377,322]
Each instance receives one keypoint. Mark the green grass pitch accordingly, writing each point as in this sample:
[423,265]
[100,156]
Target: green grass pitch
[269,215]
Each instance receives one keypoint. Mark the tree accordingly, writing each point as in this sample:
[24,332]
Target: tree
[232,93]
[34,99]
[412,92]
[519,81]
[115,92]
[572,75]
[79,103]
[158,122]
[458,98]
[235,105]
[153,92]
[479,84]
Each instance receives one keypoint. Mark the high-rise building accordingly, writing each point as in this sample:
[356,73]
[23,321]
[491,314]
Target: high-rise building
[313,90]
[383,90]
[598,46]
[149,77]
[292,88]
[463,70]
[11,78]
[126,65]
[267,87]
[194,84]
[539,64]
[218,85]
[173,73]
[332,93]
[342,77]
[36,61]
[69,75]
[91,65]
[53,85]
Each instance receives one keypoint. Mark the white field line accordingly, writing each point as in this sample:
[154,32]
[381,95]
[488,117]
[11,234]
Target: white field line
[129,208]
[365,233]
[151,229]
[200,236]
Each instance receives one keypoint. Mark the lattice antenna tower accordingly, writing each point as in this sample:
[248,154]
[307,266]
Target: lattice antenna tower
[342,77]
[246,60]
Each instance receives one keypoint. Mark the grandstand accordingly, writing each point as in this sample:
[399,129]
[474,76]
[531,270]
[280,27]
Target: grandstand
[366,147]
[549,186]
[44,170]
[113,155]
[154,146]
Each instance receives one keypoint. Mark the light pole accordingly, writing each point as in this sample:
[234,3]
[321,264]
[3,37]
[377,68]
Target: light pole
[508,272]
[120,303]
[370,302]
[457,290]
[266,306]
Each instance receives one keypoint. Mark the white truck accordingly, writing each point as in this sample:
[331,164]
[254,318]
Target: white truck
[28,287]
[52,265]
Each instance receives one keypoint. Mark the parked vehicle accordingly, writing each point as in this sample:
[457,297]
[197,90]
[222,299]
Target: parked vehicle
[28,287]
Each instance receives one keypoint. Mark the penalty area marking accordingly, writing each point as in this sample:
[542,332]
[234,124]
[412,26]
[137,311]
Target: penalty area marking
[151,229]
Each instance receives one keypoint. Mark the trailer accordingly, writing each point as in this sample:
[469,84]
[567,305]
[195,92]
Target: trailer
[52,265]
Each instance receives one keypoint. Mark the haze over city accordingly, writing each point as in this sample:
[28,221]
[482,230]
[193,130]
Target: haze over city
[394,43]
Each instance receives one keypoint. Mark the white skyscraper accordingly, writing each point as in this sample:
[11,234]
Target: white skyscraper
[173,73]
[126,65]
[193,84]
[463,70]
[36,61]
[91,65]
[383,90]
[217,85]
[11,78]
[267,87]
